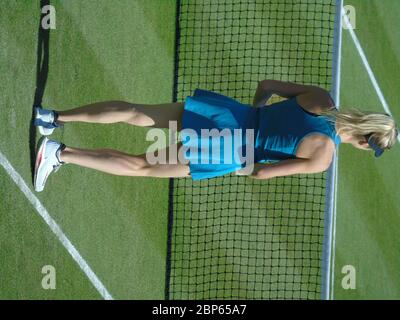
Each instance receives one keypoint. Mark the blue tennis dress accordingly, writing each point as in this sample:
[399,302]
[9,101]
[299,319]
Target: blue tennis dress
[221,135]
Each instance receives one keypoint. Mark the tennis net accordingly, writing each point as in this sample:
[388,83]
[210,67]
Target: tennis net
[233,237]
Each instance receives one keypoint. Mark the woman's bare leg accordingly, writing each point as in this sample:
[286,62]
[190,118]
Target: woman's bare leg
[142,115]
[123,164]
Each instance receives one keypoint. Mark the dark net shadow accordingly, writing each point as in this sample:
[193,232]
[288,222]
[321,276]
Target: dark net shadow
[42,71]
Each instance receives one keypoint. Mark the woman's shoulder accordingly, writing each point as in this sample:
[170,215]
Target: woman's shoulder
[316,101]
[318,147]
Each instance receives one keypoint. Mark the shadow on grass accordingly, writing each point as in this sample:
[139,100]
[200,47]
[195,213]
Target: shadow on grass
[42,71]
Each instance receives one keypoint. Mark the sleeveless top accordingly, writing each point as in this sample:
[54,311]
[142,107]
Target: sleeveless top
[281,127]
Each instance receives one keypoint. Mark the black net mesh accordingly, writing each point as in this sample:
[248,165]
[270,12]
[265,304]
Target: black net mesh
[233,237]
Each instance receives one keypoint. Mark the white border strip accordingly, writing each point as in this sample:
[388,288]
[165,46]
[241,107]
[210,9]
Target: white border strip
[333,250]
[54,227]
[368,67]
[328,253]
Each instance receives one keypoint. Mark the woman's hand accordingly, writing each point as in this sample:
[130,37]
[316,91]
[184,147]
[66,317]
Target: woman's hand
[261,96]
[252,171]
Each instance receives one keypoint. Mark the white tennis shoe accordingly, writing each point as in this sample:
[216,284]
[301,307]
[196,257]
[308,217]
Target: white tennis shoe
[47,161]
[45,120]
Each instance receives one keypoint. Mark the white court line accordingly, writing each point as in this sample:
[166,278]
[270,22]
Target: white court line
[19,181]
[367,66]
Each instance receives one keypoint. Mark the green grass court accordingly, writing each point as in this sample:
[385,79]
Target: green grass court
[124,50]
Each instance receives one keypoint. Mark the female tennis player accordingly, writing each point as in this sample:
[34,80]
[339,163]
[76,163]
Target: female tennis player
[295,136]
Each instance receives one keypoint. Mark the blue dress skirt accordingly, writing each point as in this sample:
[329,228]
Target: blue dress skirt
[214,134]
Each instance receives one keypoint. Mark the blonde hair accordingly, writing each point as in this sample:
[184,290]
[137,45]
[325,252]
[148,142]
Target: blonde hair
[380,126]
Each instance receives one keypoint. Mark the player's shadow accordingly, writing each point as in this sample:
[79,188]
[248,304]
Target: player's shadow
[42,71]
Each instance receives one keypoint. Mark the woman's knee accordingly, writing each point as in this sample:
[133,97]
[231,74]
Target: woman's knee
[138,117]
[158,115]
[133,163]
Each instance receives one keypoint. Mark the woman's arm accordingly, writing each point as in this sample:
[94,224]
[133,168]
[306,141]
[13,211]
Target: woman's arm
[266,88]
[287,168]
[319,162]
